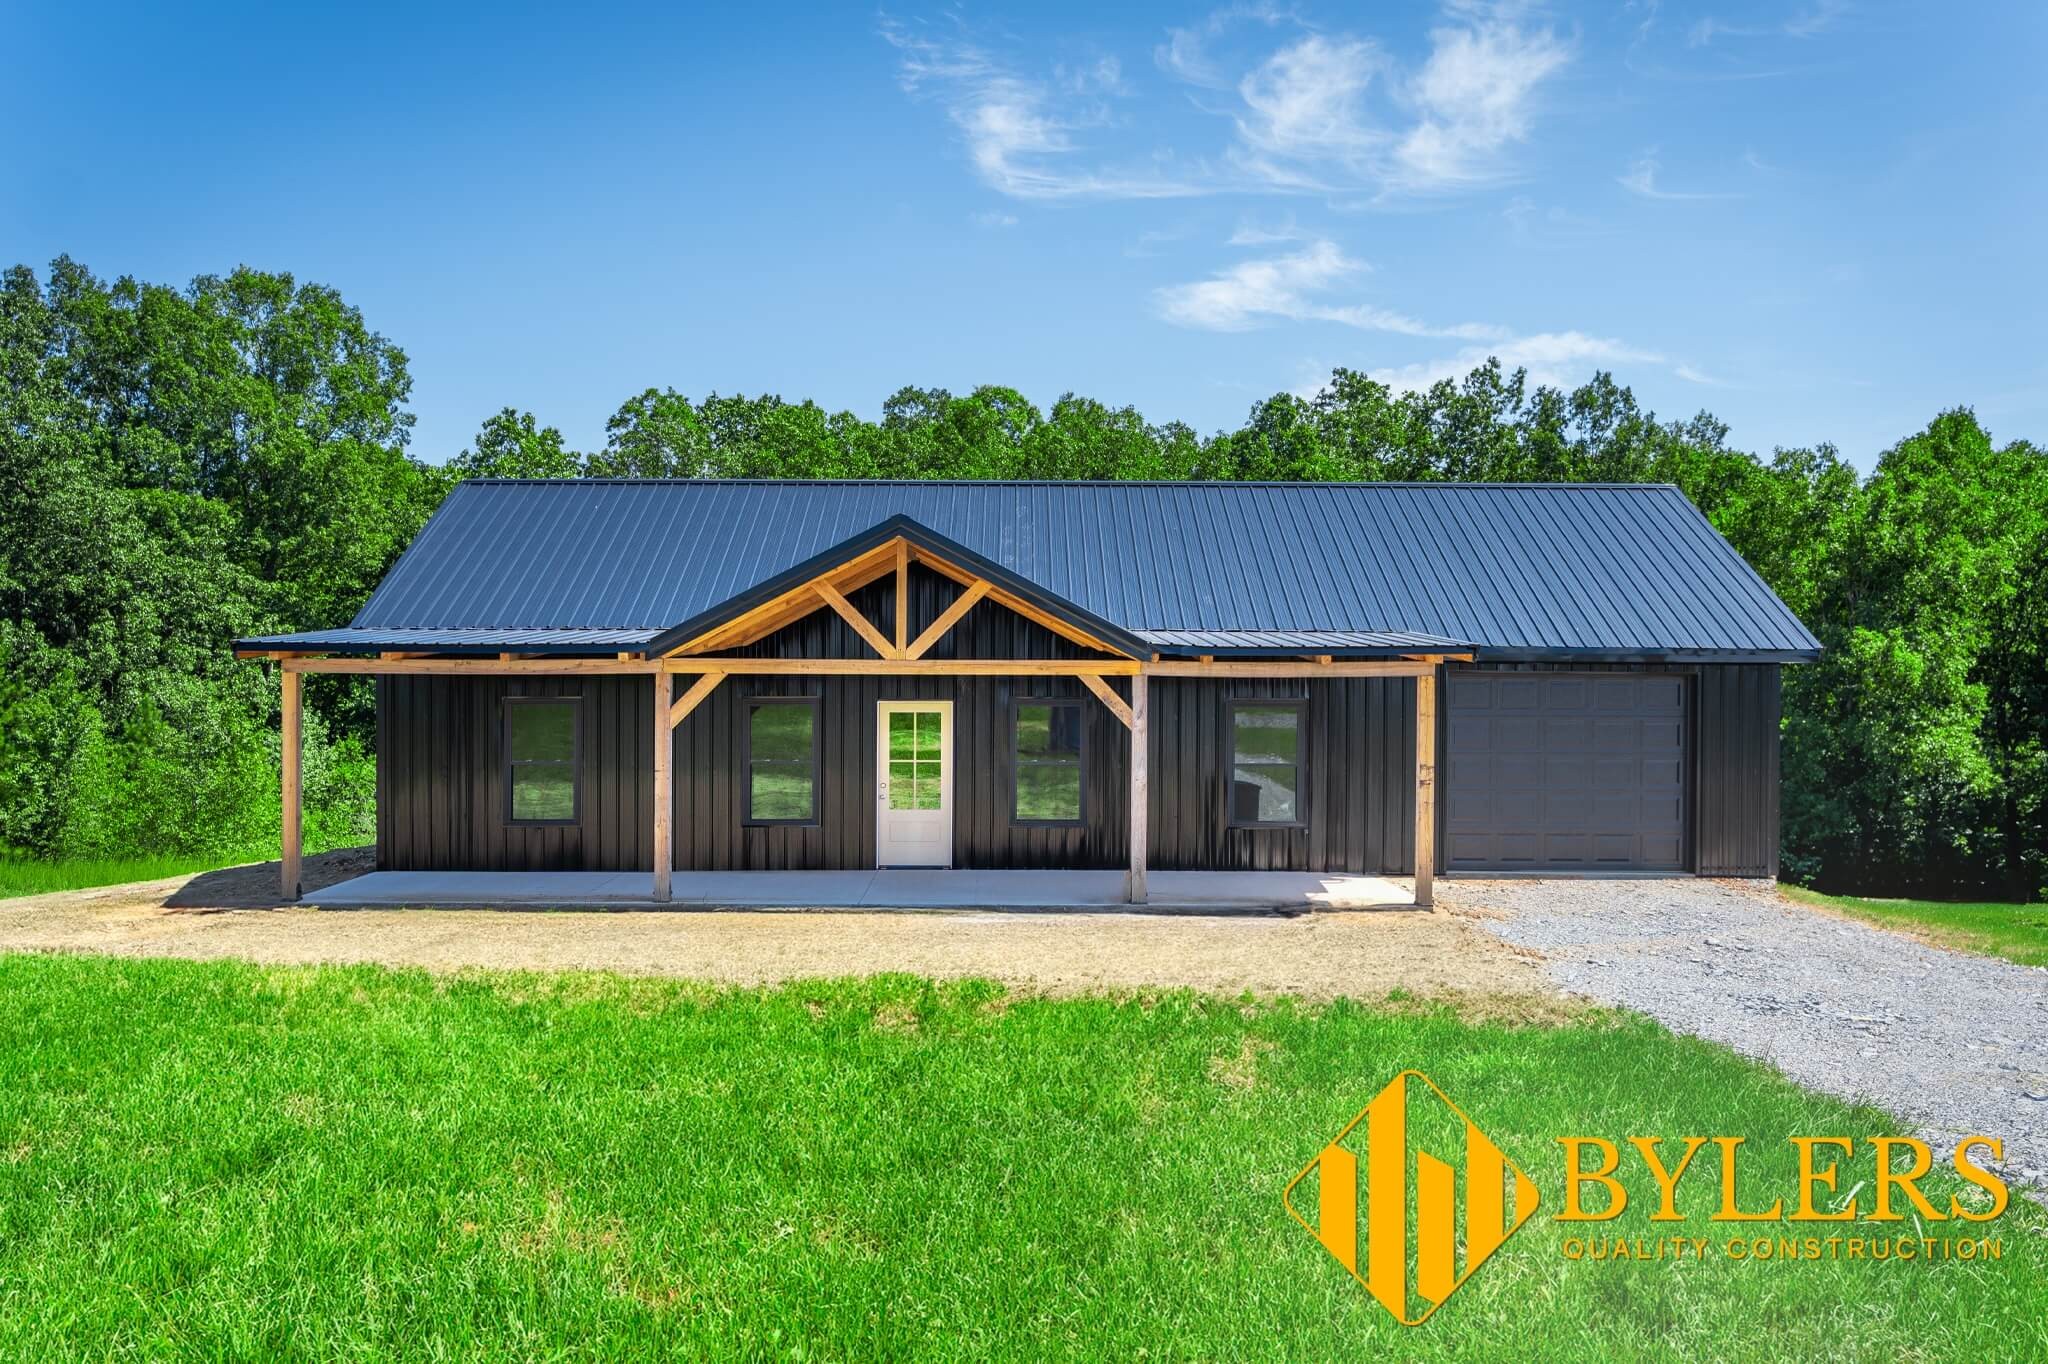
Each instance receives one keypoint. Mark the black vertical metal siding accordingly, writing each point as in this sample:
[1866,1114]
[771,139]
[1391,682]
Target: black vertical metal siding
[1358,786]
[1737,763]
[441,771]
[441,776]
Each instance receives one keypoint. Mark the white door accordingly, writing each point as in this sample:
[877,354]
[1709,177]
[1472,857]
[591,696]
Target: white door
[914,784]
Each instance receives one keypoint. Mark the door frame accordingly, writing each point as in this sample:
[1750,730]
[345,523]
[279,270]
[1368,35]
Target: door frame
[883,709]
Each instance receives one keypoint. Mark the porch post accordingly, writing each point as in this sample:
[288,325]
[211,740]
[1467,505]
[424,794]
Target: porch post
[289,751]
[1140,789]
[1425,789]
[664,746]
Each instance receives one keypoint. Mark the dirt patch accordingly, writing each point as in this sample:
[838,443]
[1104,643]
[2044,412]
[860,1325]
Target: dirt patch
[1364,955]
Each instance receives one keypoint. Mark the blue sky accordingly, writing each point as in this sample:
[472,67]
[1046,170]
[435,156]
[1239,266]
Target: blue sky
[1820,220]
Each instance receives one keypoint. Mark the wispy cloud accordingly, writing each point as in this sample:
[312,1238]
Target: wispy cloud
[1813,19]
[1294,288]
[1019,141]
[1323,112]
[1558,359]
[1641,179]
[1474,96]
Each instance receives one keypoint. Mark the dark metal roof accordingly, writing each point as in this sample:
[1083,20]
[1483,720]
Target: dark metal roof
[1355,642]
[354,639]
[1518,570]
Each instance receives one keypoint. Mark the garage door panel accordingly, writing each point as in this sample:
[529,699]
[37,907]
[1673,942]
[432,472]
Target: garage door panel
[1566,771]
[1574,770]
[1515,693]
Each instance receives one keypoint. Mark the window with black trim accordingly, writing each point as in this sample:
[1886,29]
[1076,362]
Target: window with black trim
[782,760]
[1266,763]
[542,741]
[1045,748]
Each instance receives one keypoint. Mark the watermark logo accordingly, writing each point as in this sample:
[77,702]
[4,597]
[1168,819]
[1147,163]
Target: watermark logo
[1434,1185]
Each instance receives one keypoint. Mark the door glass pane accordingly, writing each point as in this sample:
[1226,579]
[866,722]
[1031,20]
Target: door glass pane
[1267,733]
[780,790]
[543,731]
[781,731]
[543,791]
[1265,795]
[1049,791]
[929,725]
[902,785]
[902,734]
[930,787]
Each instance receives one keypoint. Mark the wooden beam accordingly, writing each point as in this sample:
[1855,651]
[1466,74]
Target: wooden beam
[1281,667]
[862,626]
[694,697]
[948,618]
[1324,659]
[1063,629]
[664,747]
[792,605]
[1141,791]
[1109,697]
[902,597]
[906,667]
[288,862]
[397,655]
[1425,790]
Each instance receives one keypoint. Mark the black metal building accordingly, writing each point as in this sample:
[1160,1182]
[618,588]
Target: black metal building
[1517,678]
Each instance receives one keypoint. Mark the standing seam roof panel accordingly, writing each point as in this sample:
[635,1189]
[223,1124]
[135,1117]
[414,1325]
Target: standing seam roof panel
[1539,567]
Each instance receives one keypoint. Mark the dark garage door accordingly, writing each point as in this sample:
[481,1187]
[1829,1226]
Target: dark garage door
[1565,771]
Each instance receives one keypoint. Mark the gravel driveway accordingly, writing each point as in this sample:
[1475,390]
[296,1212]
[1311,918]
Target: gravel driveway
[1957,1044]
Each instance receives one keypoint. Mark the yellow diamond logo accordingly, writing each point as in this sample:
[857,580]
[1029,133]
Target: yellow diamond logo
[1425,1163]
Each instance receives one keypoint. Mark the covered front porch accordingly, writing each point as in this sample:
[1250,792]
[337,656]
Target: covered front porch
[1050,643]
[1170,891]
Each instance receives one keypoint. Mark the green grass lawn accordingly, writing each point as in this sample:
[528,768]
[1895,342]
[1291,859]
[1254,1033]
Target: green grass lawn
[24,876]
[234,1162]
[2016,932]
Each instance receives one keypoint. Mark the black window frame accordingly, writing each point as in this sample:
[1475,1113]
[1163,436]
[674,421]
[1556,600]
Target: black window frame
[574,764]
[1017,760]
[1230,764]
[747,819]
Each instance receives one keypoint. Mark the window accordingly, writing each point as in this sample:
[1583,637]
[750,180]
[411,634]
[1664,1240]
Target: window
[1046,745]
[782,760]
[541,735]
[1265,763]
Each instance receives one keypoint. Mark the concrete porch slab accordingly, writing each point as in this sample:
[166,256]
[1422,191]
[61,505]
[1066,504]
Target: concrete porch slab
[893,889]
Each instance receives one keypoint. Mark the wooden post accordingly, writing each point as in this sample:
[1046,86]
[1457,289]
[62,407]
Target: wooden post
[289,840]
[1425,790]
[902,597]
[1140,791]
[664,746]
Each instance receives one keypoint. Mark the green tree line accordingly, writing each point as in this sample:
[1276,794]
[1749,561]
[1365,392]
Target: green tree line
[183,465]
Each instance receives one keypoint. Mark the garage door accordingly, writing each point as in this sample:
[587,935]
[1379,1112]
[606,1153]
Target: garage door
[1565,772]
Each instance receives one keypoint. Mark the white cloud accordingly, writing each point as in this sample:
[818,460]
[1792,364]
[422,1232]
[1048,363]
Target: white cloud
[1321,113]
[1257,234]
[1559,359]
[1292,288]
[1473,96]
[1697,376]
[1017,140]
[1303,106]
[1641,179]
[1816,18]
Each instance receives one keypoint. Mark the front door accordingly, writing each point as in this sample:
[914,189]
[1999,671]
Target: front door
[914,784]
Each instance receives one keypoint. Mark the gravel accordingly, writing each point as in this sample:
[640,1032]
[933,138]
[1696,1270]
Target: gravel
[1956,1044]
